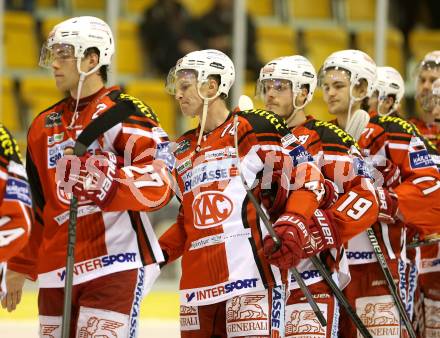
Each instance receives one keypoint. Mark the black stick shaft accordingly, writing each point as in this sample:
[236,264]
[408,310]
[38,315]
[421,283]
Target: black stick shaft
[70,262]
[390,282]
[340,296]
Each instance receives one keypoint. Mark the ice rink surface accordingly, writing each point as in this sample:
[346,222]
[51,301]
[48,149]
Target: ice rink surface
[159,313]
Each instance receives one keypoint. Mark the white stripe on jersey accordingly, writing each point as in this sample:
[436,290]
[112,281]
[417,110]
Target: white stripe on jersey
[110,137]
[17,168]
[342,158]
[141,132]
[4,176]
[393,145]
[152,239]
[386,240]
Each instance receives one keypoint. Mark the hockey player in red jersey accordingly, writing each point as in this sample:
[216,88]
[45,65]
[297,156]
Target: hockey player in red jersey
[428,71]
[347,77]
[231,284]
[286,86]
[389,89]
[428,74]
[15,203]
[116,253]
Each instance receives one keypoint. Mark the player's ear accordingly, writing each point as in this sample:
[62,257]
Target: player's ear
[212,86]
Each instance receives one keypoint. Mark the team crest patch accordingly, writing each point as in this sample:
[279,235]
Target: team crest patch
[189,318]
[248,315]
[53,119]
[379,315]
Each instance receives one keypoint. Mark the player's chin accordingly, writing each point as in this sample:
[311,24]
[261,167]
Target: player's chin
[187,112]
[336,109]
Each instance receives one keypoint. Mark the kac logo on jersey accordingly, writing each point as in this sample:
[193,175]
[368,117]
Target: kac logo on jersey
[300,155]
[211,209]
[420,159]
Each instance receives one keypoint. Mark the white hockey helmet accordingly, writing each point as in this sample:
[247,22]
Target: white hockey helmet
[296,69]
[436,87]
[389,82]
[81,33]
[436,92]
[358,64]
[431,60]
[205,63]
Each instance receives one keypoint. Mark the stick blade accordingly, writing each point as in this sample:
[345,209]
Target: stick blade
[357,123]
[245,103]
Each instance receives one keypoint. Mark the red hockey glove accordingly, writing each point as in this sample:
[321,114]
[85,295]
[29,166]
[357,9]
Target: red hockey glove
[388,205]
[96,179]
[324,234]
[330,196]
[274,197]
[293,233]
[391,174]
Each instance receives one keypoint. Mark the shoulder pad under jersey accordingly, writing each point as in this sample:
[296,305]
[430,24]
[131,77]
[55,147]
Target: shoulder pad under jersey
[331,133]
[395,124]
[8,146]
[263,121]
[139,107]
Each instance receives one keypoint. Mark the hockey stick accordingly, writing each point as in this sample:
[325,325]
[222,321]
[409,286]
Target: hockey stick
[355,128]
[97,127]
[275,237]
[357,123]
[390,281]
[429,240]
[360,117]
[245,103]
[340,296]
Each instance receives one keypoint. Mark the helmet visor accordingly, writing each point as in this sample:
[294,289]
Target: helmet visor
[334,74]
[181,79]
[59,51]
[265,85]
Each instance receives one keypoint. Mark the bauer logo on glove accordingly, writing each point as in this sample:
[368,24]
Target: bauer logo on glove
[92,177]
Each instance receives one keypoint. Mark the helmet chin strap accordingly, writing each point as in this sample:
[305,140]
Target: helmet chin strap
[350,105]
[380,104]
[82,77]
[295,109]
[204,115]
